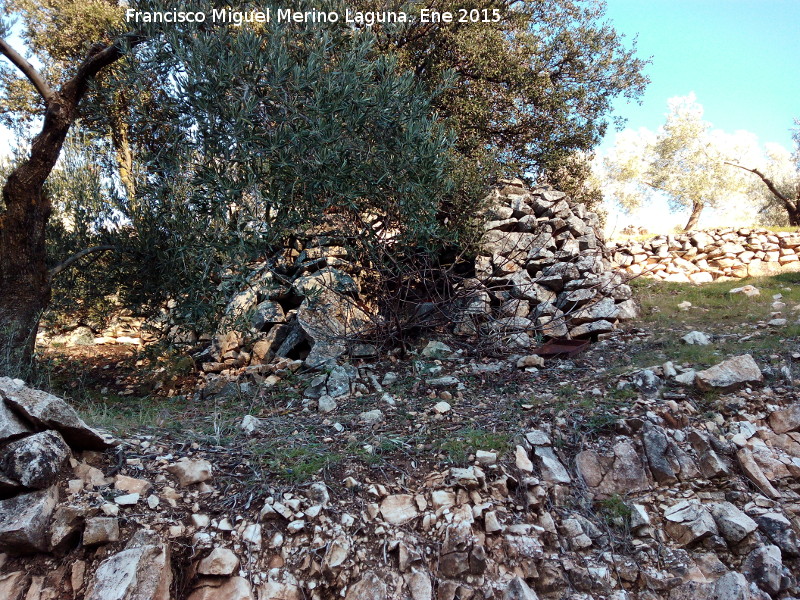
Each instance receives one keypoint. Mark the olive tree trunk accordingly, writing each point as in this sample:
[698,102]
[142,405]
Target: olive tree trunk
[24,276]
[697,208]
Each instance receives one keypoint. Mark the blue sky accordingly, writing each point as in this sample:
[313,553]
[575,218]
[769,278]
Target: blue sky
[740,57]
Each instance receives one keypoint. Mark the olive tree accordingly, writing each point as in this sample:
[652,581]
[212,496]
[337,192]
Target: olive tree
[685,161]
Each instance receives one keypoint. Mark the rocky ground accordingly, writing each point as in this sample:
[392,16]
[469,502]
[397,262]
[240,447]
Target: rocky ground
[663,462]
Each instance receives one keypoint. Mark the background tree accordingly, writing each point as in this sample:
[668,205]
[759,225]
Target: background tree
[684,160]
[25,279]
[778,181]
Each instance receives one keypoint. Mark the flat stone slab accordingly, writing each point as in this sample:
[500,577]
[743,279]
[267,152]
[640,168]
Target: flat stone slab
[730,374]
[46,411]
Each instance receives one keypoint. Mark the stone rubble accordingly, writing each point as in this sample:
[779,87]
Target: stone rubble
[658,507]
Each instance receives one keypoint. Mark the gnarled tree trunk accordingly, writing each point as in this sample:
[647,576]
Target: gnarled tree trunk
[24,277]
[697,208]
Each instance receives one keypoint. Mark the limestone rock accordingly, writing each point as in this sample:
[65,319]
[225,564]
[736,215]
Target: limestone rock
[518,590]
[764,567]
[327,319]
[100,530]
[523,462]
[783,421]
[36,460]
[189,471]
[621,472]
[779,530]
[10,424]
[338,551]
[419,584]
[326,404]
[13,585]
[586,329]
[267,312]
[132,485]
[140,572]
[435,349]
[66,525]
[24,520]
[370,587]
[399,508]
[730,374]
[753,471]
[696,338]
[531,360]
[688,522]
[277,590]
[233,588]
[732,523]
[656,444]
[221,561]
[50,412]
[746,290]
[551,467]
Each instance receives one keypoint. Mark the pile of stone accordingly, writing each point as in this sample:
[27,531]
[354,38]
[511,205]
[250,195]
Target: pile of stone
[543,271]
[38,435]
[704,256]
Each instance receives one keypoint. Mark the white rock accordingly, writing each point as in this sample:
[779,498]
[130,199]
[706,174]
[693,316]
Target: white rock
[522,461]
[441,408]
[189,471]
[747,290]
[485,458]
[696,338]
[249,424]
[127,499]
[252,536]
[730,374]
[398,509]
[296,526]
[221,561]
[491,523]
[732,523]
[371,416]
[326,404]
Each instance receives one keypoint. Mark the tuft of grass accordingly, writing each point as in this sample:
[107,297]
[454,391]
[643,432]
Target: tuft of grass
[294,464]
[615,512]
[458,447]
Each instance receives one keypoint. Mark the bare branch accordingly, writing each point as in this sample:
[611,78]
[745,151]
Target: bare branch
[76,257]
[790,206]
[28,70]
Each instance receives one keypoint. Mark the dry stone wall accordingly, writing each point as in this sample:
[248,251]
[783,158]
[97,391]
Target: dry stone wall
[705,256]
[543,272]
[544,269]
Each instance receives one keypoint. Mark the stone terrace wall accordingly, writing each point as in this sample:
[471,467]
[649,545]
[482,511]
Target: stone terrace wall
[703,256]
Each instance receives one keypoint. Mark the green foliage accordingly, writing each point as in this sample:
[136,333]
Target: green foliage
[531,88]
[294,464]
[615,512]
[269,134]
[458,446]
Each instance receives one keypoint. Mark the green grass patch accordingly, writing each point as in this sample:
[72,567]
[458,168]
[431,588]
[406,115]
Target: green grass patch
[461,444]
[294,464]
